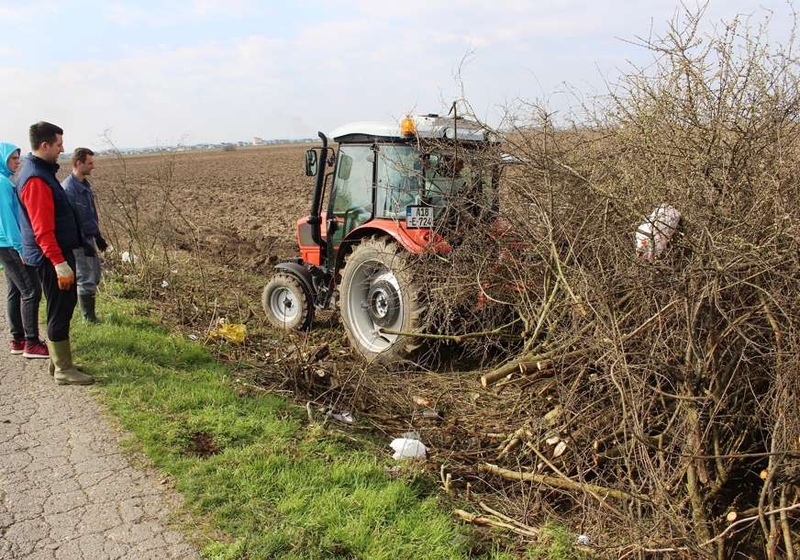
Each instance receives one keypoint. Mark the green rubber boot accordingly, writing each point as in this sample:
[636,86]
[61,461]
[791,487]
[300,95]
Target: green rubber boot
[62,368]
[52,367]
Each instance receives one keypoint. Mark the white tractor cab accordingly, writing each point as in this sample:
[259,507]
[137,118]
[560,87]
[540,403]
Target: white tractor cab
[379,199]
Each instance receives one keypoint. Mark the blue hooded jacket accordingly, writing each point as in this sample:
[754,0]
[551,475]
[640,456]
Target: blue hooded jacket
[10,235]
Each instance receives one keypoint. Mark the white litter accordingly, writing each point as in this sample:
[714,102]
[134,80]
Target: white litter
[344,417]
[653,235]
[128,257]
[407,448]
[583,540]
[164,284]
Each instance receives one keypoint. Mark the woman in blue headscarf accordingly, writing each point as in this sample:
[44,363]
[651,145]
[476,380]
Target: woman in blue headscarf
[24,290]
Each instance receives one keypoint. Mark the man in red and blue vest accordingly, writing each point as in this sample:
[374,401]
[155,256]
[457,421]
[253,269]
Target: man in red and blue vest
[50,233]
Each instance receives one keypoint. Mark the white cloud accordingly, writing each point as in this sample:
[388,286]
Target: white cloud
[131,15]
[24,12]
[378,60]
[208,8]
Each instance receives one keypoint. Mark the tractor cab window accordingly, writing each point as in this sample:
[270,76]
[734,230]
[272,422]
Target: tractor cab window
[351,199]
[446,177]
[399,181]
[461,180]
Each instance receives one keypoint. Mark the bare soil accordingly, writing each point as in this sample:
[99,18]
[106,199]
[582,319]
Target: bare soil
[243,203]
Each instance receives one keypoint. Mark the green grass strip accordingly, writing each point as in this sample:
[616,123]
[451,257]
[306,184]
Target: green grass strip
[258,479]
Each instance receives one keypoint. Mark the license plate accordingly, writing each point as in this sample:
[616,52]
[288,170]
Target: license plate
[419,217]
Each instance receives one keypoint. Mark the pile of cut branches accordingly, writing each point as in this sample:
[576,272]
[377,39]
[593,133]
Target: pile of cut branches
[660,388]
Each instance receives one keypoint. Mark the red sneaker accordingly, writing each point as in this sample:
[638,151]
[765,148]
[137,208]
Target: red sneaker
[17,346]
[36,350]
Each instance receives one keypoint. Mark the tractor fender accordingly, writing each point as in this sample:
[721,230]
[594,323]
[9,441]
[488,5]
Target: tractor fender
[298,270]
[356,235]
[413,241]
[389,228]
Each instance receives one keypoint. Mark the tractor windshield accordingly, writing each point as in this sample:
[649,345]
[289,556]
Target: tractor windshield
[436,178]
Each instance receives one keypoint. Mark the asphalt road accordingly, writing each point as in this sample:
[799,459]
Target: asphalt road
[66,489]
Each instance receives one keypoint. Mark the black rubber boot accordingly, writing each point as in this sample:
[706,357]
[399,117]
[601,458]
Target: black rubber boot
[88,307]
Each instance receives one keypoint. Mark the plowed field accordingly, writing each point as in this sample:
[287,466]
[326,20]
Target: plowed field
[242,205]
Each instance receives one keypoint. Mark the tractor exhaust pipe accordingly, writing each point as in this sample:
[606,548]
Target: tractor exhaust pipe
[314,219]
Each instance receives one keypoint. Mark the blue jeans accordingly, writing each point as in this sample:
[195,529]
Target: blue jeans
[22,297]
[87,272]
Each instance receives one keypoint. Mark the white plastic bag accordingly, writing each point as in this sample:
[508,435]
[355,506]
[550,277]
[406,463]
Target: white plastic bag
[407,448]
[653,235]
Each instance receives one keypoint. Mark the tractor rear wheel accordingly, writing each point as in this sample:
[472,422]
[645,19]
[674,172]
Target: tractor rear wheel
[287,303]
[378,293]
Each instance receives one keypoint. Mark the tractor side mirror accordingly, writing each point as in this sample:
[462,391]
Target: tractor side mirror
[311,162]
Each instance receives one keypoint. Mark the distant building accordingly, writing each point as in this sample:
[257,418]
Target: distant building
[258,141]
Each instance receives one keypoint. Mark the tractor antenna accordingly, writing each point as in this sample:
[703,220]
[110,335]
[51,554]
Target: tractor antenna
[454,112]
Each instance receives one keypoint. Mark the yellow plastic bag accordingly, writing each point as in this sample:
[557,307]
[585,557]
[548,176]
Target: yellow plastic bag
[232,332]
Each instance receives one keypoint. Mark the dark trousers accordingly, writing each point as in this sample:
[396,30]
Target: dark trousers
[60,303]
[22,296]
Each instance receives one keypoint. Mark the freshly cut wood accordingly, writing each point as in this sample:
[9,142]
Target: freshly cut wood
[513,442]
[503,517]
[489,522]
[530,364]
[563,483]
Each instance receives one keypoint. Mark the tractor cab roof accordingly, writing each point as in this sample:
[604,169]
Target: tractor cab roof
[432,127]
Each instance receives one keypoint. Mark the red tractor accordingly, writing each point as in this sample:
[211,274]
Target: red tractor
[379,206]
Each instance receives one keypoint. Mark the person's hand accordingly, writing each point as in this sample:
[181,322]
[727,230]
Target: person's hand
[65,275]
[88,249]
[101,243]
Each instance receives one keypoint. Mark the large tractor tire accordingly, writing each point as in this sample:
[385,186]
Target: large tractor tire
[287,303]
[378,292]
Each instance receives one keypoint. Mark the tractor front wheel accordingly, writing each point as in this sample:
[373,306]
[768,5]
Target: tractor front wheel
[287,303]
[379,299]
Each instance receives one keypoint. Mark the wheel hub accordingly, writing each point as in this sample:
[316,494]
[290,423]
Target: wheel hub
[383,302]
[287,304]
[284,304]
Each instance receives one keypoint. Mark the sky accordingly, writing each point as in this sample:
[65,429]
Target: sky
[149,73]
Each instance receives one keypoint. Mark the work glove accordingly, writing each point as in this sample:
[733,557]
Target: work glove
[101,243]
[65,275]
